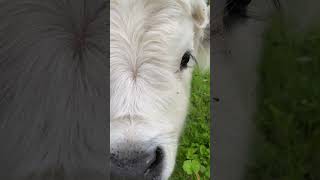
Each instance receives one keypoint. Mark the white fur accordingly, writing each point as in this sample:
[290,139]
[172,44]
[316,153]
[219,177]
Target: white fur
[149,94]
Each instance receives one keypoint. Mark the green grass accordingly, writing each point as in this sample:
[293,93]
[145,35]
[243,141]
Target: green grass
[288,114]
[193,157]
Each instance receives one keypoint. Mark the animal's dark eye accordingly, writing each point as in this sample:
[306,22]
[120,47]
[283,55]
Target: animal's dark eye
[185,60]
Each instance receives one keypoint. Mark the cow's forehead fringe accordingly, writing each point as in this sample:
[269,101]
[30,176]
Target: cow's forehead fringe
[142,33]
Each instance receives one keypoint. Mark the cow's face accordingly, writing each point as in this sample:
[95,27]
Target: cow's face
[153,45]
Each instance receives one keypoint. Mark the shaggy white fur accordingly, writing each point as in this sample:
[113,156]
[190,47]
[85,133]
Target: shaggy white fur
[149,93]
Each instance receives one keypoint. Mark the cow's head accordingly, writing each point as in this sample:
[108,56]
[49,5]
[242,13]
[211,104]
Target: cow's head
[154,45]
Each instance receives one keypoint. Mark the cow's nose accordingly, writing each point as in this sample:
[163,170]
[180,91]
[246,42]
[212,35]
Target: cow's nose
[136,164]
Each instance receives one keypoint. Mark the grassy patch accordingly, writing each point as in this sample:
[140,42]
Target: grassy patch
[288,116]
[193,159]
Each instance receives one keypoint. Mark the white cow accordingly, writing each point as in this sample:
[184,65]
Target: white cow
[154,45]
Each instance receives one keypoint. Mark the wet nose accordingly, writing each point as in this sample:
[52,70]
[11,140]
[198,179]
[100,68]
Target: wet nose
[136,164]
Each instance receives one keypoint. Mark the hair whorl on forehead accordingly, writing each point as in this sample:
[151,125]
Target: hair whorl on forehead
[53,91]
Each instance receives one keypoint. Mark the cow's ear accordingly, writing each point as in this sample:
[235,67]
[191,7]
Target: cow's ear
[201,15]
[203,50]
[199,12]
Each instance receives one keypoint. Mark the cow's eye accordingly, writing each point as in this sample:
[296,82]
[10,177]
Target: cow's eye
[185,60]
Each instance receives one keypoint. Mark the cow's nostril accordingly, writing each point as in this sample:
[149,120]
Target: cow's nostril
[156,161]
